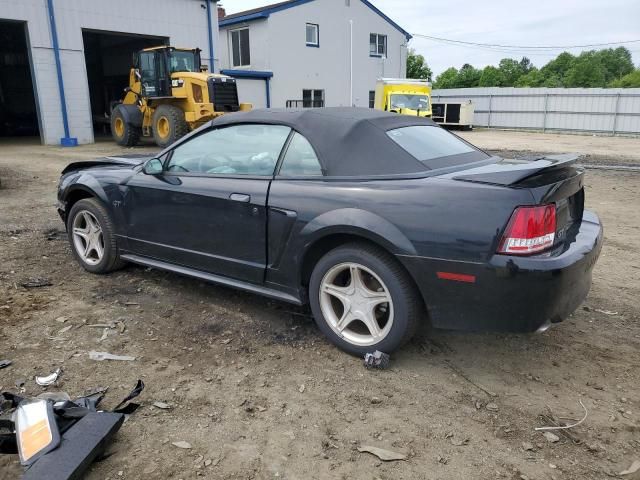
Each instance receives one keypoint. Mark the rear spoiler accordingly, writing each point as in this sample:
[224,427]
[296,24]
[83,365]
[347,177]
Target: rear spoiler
[511,172]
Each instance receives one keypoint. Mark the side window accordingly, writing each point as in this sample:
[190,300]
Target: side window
[240,54]
[235,150]
[300,159]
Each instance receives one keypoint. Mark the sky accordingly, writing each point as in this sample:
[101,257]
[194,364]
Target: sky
[504,22]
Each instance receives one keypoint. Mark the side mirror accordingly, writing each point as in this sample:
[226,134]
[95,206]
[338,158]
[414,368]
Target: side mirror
[137,74]
[152,167]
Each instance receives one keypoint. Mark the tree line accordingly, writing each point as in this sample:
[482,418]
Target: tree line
[611,67]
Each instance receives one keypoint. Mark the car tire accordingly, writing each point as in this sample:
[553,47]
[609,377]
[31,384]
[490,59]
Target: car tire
[89,227]
[125,134]
[168,125]
[383,277]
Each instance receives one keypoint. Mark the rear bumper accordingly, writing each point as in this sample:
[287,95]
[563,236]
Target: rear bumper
[510,293]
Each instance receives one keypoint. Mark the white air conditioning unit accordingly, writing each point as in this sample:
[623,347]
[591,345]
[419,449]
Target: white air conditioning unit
[455,114]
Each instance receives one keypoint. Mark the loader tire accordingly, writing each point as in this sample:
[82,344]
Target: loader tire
[123,132]
[168,125]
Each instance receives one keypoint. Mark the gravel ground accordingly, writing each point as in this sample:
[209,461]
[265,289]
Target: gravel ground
[258,393]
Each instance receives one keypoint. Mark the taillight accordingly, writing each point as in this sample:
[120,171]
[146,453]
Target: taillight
[530,230]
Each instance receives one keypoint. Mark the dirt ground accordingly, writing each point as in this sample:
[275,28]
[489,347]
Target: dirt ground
[257,391]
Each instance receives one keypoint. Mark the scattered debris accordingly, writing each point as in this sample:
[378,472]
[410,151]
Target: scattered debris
[635,467]
[36,282]
[162,405]
[551,437]
[100,356]
[105,334]
[121,326]
[65,329]
[61,319]
[376,359]
[181,444]
[225,341]
[301,388]
[376,400]
[20,382]
[493,407]
[527,446]
[5,363]
[605,312]
[382,454]
[46,380]
[459,443]
[564,427]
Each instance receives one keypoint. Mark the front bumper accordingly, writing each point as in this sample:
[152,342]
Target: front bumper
[510,293]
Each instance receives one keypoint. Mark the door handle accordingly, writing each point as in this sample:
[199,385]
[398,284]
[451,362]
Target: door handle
[240,197]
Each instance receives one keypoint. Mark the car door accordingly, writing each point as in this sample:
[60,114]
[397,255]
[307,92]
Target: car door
[207,208]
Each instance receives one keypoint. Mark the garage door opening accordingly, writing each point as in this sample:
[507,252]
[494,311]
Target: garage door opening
[109,57]
[18,112]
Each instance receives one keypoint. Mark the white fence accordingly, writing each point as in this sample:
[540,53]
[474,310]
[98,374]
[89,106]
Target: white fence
[598,110]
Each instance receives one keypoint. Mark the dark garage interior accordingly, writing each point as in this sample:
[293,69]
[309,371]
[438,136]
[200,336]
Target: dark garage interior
[109,57]
[18,113]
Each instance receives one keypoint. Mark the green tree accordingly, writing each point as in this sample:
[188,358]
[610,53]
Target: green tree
[468,76]
[559,66]
[587,71]
[446,79]
[616,62]
[491,77]
[533,78]
[630,80]
[552,81]
[511,71]
[417,66]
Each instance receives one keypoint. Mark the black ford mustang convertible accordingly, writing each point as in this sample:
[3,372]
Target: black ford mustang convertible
[378,221]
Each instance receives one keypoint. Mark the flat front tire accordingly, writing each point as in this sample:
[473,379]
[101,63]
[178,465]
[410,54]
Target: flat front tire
[92,237]
[363,300]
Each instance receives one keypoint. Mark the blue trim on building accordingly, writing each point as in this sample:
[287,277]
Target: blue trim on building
[247,73]
[253,75]
[212,67]
[65,141]
[264,13]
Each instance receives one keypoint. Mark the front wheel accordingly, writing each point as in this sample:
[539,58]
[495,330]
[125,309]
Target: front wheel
[92,237]
[169,125]
[363,300]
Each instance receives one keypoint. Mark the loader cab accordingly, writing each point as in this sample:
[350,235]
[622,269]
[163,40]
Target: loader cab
[153,68]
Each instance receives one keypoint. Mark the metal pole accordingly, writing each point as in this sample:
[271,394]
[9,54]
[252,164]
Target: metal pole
[210,34]
[489,118]
[544,118]
[66,141]
[615,114]
[351,62]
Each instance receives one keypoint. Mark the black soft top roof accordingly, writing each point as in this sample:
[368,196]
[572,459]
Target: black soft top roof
[348,141]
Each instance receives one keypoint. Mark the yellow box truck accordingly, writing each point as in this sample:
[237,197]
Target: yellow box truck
[405,96]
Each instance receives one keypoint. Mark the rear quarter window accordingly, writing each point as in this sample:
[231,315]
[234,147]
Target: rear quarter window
[434,146]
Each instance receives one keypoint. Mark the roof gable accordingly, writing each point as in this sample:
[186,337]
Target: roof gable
[264,12]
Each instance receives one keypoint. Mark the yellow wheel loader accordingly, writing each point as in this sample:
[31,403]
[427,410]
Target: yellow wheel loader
[169,94]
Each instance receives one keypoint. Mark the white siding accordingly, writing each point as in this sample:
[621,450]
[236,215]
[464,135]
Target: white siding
[278,45]
[184,22]
[252,90]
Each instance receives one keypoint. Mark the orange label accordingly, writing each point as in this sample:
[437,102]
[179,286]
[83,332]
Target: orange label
[35,438]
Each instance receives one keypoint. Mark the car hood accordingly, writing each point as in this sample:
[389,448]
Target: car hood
[125,161]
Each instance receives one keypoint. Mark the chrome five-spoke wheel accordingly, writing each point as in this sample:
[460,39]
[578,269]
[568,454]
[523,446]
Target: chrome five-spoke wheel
[88,239]
[356,304]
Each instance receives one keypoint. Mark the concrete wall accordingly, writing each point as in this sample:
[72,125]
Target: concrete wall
[598,110]
[184,22]
[278,44]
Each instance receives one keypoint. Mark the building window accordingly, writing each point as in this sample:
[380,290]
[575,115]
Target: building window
[312,98]
[313,35]
[240,47]
[372,98]
[377,45]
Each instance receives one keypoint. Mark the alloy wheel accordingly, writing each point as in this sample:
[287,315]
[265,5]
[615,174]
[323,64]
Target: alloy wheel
[87,237]
[356,304]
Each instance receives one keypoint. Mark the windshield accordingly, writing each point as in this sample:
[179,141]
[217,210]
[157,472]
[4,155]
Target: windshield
[183,62]
[411,101]
[434,146]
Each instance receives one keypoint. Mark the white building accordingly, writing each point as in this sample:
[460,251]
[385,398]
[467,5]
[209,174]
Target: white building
[61,61]
[311,52]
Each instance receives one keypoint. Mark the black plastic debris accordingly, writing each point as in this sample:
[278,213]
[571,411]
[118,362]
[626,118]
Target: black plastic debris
[5,363]
[84,432]
[376,359]
[36,282]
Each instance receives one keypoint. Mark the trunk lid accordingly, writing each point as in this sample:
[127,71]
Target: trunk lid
[550,179]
